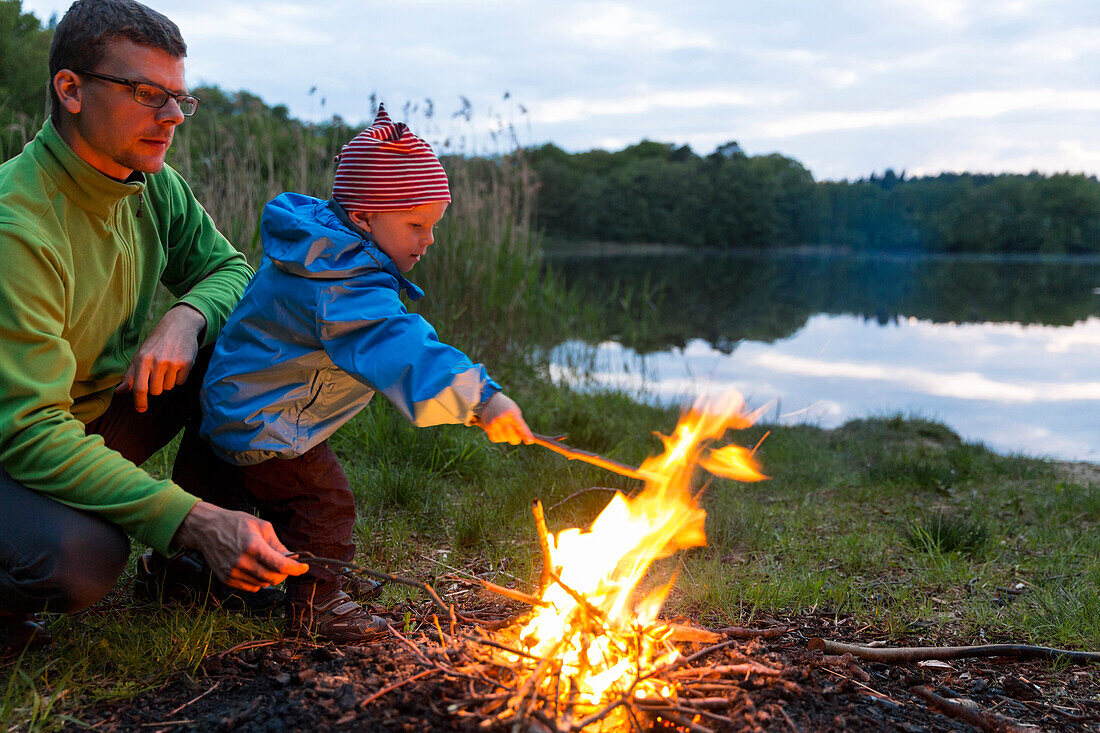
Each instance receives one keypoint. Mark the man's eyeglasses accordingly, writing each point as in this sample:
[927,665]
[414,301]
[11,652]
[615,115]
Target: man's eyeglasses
[150,95]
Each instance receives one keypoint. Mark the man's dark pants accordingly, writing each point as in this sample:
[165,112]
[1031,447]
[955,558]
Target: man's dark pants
[55,558]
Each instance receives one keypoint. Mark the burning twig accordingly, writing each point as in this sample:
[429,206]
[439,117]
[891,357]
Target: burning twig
[917,654]
[544,545]
[595,459]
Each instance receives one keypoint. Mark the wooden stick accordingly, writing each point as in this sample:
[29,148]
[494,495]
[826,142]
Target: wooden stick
[984,721]
[194,699]
[739,632]
[500,590]
[920,653]
[544,545]
[395,685]
[595,459]
[309,558]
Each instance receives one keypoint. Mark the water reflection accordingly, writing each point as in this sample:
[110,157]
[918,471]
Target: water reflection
[1012,380]
[725,298]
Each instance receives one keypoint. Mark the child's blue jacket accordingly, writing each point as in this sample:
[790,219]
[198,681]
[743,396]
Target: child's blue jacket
[320,328]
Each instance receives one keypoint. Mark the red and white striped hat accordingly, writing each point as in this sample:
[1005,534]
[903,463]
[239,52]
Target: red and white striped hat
[387,168]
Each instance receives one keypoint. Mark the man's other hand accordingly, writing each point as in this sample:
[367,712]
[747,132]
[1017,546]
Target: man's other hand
[503,422]
[165,359]
[240,548]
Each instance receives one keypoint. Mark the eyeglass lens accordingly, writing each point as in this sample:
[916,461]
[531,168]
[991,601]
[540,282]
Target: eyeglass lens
[151,96]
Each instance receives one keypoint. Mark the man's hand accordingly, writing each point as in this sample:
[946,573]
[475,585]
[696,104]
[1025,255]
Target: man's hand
[503,422]
[241,549]
[164,360]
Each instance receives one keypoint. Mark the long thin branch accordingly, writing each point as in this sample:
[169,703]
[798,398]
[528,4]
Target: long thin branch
[575,454]
[309,557]
[920,653]
[500,590]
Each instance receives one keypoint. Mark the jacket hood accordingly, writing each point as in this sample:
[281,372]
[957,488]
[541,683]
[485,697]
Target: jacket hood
[311,238]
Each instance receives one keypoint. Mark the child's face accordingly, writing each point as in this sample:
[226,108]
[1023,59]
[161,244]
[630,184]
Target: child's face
[403,235]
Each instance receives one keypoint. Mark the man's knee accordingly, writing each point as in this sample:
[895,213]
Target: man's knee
[69,572]
[86,581]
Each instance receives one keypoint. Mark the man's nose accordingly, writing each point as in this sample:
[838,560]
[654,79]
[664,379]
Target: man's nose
[170,112]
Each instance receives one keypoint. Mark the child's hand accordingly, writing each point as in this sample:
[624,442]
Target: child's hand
[503,422]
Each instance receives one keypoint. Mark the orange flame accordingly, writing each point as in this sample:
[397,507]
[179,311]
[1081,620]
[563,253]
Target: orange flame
[605,637]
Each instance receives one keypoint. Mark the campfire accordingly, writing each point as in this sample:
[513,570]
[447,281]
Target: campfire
[594,642]
[593,653]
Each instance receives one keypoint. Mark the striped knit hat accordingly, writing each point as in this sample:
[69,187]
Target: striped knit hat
[387,168]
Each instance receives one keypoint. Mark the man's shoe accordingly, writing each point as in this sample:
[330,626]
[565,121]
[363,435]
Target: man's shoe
[186,578]
[335,618]
[20,631]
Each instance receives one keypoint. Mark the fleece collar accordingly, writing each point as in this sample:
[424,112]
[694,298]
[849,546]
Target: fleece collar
[78,180]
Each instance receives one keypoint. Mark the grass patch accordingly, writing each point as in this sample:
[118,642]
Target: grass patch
[942,533]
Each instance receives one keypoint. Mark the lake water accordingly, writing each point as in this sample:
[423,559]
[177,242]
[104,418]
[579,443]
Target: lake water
[1006,353]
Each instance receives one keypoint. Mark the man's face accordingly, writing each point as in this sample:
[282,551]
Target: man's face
[403,235]
[113,132]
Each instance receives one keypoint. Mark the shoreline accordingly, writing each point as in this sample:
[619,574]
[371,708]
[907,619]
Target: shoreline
[584,249]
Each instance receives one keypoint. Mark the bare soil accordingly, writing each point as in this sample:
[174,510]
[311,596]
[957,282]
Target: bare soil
[414,683]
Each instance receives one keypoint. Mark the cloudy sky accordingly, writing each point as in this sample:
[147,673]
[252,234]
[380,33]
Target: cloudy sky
[845,86]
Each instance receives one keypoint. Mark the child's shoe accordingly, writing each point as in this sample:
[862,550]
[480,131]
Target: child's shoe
[361,589]
[335,618]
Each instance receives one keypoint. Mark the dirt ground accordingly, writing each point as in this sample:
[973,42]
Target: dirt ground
[414,683]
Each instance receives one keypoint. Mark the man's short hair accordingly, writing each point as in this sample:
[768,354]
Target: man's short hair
[81,39]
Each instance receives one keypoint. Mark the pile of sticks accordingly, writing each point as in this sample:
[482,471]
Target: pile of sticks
[497,693]
[506,687]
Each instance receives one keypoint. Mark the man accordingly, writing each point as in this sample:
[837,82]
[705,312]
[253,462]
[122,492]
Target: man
[90,220]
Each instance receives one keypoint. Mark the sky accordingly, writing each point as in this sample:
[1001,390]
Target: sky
[846,87]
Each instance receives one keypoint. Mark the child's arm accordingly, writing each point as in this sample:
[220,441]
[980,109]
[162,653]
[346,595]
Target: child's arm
[367,332]
[503,422]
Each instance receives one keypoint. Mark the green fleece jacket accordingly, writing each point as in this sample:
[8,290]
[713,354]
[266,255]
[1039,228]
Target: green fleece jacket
[80,258]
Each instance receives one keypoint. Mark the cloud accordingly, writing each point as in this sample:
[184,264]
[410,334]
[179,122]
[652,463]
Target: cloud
[622,25]
[983,104]
[572,109]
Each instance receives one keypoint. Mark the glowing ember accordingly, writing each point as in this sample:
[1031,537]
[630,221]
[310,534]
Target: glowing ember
[605,638]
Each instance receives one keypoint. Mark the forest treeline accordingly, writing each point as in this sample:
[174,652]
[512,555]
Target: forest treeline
[651,192]
[658,192]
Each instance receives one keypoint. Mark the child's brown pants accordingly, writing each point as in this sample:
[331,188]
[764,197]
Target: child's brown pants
[309,502]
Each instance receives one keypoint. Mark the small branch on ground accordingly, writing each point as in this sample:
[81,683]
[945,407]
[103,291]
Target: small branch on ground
[740,632]
[921,653]
[985,721]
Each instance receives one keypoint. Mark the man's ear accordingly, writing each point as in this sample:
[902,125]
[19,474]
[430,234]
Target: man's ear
[67,86]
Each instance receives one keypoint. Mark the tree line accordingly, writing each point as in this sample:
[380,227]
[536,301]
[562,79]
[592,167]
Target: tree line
[651,192]
[661,193]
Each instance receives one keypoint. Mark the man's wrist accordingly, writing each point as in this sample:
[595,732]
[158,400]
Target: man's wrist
[192,316]
[187,533]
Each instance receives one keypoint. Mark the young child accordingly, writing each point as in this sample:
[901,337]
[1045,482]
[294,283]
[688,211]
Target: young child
[319,330]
